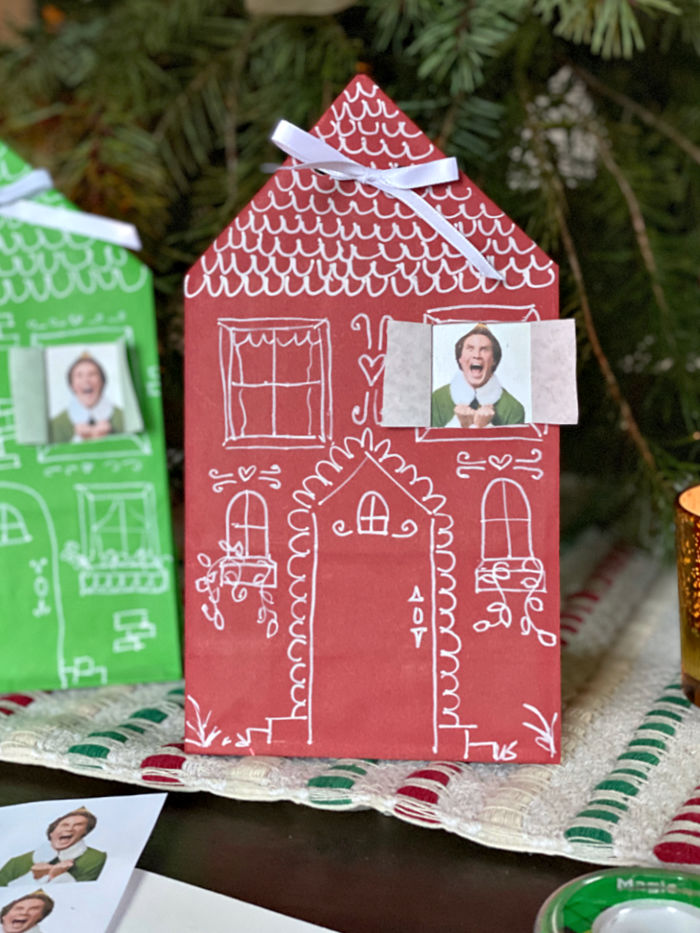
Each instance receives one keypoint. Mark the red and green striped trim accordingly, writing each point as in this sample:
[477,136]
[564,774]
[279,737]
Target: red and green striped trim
[595,824]
[97,746]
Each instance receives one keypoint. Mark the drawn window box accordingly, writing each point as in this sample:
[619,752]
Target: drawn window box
[275,377]
[119,549]
[246,560]
[507,559]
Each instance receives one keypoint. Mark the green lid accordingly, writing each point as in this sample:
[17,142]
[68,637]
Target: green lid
[574,907]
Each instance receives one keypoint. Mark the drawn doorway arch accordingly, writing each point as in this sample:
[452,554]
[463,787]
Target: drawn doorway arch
[367,489]
[33,605]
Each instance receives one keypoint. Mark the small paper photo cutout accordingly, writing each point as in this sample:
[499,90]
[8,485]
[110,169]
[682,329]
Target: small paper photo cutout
[64,864]
[481,375]
[84,390]
[73,393]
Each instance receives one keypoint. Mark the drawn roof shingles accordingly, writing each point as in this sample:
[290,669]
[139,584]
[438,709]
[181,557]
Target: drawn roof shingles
[307,234]
[38,263]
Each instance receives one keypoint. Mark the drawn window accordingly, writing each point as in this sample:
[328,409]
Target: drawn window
[372,514]
[506,522]
[12,527]
[119,525]
[247,526]
[275,376]
[7,432]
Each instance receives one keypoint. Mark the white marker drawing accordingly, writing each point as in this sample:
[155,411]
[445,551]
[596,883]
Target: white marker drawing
[353,240]
[199,732]
[372,366]
[372,516]
[153,386]
[508,564]
[134,628]
[361,467]
[13,529]
[500,463]
[74,320]
[276,380]
[42,587]
[22,509]
[544,729]
[245,474]
[84,672]
[8,461]
[466,466]
[499,752]
[530,464]
[8,335]
[119,549]
[245,563]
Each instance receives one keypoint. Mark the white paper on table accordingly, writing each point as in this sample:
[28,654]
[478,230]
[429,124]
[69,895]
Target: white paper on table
[123,825]
[161,905]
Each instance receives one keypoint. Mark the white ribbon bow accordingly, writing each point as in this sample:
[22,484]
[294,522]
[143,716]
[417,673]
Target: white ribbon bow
[314,153]
[15,203]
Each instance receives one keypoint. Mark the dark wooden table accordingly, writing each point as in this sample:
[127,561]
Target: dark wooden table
[355,872]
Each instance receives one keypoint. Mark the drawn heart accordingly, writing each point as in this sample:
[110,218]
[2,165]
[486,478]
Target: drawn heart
[246,473]
[500,463]
[371,366]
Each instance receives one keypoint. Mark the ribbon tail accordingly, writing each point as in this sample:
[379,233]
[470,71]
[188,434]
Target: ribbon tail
[34,182]
[84,224]
[448,232]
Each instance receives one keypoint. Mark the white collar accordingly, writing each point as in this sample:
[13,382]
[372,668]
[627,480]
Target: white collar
[464,394]
[80,414]
[46,852]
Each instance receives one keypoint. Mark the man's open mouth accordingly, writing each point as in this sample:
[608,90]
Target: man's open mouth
[476,367]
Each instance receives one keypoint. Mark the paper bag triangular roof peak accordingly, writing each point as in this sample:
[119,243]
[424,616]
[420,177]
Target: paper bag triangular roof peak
[55,262]
[307,234]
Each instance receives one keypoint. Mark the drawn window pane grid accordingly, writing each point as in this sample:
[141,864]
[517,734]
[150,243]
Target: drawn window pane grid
[275,376]
[247,526]
[119,526]
[372,514]
[7,432]
[506,522]
[12,527]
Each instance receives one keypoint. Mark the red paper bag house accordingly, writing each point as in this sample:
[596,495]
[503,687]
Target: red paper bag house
[354,589]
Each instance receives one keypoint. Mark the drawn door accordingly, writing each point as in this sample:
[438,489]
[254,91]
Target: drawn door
[31,623]
[373,676]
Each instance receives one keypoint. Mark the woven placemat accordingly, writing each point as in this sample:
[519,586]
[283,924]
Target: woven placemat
[626,792]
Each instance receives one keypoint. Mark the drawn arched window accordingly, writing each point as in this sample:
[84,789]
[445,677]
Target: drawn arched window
[12,527]
[247,526]
[505,521]
[372,514]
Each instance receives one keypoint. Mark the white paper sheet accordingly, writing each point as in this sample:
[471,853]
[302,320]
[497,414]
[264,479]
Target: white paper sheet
[161,905]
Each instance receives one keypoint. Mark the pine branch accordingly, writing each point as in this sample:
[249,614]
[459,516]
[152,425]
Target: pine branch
[644,114]
[559,201]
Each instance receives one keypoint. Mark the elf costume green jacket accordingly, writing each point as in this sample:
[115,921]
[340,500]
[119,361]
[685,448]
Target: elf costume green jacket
[507,410]
[86,867]
[62,428]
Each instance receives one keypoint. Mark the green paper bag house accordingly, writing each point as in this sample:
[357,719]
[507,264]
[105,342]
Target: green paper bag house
[87,578]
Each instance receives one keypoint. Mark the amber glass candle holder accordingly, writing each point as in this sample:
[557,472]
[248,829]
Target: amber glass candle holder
[687,516]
